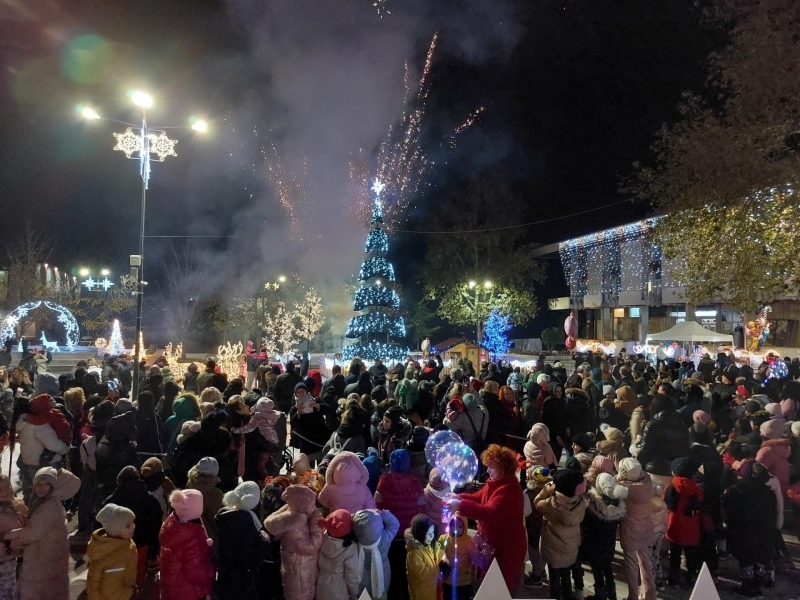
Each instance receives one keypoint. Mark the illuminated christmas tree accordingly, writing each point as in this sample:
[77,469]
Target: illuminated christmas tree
[115,345]
[375,299]
[495,339]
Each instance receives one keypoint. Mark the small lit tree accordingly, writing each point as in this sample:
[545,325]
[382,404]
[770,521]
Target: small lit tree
[495,339]
[115,346]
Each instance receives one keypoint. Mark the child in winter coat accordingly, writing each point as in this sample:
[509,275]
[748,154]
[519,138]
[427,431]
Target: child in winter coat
[603,515]
[434,492]
[537,449]
[684,498]
[204,477]
[112,556]
[187,570]
[636,529]
[375,531]
[346,485]
[243,544]
[43,540]
[12,516]
[264,418]
[600,464]
[296,525]
[422,559]
[457,546]
[562,505]
[658,512]
[537,477]
[339,570]
[614,445]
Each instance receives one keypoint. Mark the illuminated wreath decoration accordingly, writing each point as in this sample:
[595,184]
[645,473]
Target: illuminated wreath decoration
[65,317]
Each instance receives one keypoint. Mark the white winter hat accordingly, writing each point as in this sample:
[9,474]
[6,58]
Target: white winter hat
[208,465]
[543,378]
[245,496]
[629,469]
[608,486]
[114,518]
[608,389]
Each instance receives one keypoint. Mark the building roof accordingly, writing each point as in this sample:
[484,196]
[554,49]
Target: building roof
[450,342]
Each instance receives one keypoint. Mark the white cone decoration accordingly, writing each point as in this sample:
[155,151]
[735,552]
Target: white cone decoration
[364,595]
[704,588]
[493,586]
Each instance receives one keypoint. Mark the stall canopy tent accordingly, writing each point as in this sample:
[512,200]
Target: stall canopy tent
[690,331]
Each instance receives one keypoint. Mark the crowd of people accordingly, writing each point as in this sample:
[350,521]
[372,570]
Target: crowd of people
[192,479]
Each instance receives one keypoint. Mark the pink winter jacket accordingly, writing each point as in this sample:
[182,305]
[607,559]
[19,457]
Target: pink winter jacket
[636,529]
[537,450]
[346,485]
[774,454]
[296,526]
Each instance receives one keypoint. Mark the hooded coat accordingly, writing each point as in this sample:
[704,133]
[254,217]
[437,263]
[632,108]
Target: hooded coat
[187,571]
[112,567]
[600,524]
[339,570]
[45,558]
[664,439]
[626,400]
[636,529]
[422,568]
[34,439]
[149,427]
[375,529]
[134,495]
[182,410]
[498,508]
[241,548]
[458,546]
[579,417]
[211,441]
[346,485]
[774,454]
[296,526]
[537,449]
[400,494]
[751,513]
[561,529]
[212,501]
[116,450]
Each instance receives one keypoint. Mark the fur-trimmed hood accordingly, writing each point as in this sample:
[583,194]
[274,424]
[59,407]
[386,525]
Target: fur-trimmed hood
[600,507]
[577,394]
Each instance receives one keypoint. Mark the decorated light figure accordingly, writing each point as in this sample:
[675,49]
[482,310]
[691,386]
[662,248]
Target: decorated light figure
[115,346]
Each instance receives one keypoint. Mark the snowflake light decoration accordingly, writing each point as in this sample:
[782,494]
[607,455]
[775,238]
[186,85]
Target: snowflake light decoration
[89,283]
[162,146]
[106,283]
[128,142]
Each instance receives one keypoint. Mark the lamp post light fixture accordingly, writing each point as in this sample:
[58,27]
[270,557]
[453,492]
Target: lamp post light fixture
[480,300]
[138,142]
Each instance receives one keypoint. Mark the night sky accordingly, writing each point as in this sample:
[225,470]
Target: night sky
[574,93]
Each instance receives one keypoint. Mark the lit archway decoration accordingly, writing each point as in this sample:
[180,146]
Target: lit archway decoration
[65,317]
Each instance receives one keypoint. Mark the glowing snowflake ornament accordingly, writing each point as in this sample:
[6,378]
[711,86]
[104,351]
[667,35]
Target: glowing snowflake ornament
[162,146]
[128,142]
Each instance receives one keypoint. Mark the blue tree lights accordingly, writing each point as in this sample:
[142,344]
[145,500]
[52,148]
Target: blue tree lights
[495,339]
[375,326]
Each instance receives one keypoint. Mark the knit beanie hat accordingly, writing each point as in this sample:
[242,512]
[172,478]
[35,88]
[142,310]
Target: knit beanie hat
[47,383]
[208,465]
[612,433]
[540,475]
[48,475]
[244,496]
[774,408]
[573,464]
[400,461]
[469,401]
[701,416]
[567,481]
[608,389]
[543,378]
[742,392]
[265,405]
[602,464]
[420,435]
[435,480]
[608,486]
[300,386]
[752,406]
[187,504]
[338,524]
[127,474]
[394,414]
[685,466]
[114,518]
[629,469]
[583,441]
[773,429]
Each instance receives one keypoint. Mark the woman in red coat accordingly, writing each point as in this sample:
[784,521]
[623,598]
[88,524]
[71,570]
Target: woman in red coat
[498,509]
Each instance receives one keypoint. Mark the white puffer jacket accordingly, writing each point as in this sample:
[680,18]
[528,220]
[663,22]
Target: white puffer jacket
[33,439]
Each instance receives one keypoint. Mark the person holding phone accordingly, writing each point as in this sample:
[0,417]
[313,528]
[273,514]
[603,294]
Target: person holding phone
[307,418]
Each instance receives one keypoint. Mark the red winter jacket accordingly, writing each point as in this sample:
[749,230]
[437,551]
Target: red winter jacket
[498,507]
[683,499]
[399,493]
[187,572]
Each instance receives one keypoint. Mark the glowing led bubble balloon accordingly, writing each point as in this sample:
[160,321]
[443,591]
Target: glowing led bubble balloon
[436,442]
[457,464]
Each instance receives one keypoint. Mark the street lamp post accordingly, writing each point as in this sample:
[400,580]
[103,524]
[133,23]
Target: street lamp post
[478,305]
[143,141]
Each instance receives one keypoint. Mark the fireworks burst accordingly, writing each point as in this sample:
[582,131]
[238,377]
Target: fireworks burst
[380,6]
[403,164]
